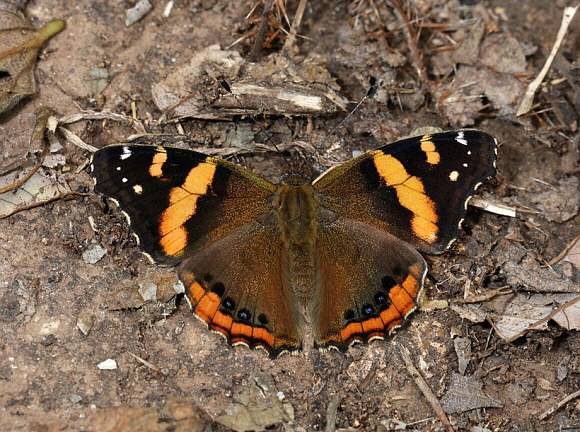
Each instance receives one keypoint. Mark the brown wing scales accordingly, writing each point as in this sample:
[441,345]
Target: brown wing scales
[367,282]
[236,286]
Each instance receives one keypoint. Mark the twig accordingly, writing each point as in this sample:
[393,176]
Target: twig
[331,412]
[287,48]
[543,320]
[559,405]
[565,251]
[412,40]
[73,138]
[493,207]
[42,115]
[62,195]
[487,296]
[261,31]
[528,99]
[146,363]
[425,389]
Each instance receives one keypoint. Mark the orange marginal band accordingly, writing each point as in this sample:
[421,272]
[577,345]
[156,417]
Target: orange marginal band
[402,302]
[206,306]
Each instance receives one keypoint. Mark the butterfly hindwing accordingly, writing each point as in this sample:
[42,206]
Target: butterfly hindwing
[236,286]
[364,288]
[415,188]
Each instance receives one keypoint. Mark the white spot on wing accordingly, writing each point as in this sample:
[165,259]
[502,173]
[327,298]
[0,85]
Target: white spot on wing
[460,138]
[124,179]
[138,189]
[118,168]
[453,175]
[465,165]
[126,153]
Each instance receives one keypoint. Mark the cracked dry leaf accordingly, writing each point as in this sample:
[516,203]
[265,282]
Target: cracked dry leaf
[465,394]
[19,45]
[38,189]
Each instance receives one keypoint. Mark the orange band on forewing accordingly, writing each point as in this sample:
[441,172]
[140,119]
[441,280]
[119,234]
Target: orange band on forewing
[428,147]
[182,206]
[156,167]
[411,195]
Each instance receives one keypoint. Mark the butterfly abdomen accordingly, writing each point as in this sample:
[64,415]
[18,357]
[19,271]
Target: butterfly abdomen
[297,205]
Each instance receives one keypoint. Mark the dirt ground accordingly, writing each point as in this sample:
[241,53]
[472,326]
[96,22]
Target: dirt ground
[61,314]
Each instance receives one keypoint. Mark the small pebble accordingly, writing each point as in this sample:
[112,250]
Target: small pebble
[108,364]
[94,254]
[134,14]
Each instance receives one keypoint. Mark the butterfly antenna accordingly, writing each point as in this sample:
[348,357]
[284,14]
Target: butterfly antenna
[370,93]
[227,88]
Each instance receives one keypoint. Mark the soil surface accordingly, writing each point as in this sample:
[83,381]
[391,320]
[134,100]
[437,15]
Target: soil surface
[62,314]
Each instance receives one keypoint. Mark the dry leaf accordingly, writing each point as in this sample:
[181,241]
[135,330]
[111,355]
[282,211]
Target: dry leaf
[465,394]
[19,45]
[560,202]
[38,189]
[573,255]
[268,87]
[513,315]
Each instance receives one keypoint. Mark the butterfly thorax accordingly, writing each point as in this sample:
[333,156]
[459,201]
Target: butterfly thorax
[297,206]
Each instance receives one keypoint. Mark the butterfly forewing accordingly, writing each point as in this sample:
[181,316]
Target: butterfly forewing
[178,200]
[415,188]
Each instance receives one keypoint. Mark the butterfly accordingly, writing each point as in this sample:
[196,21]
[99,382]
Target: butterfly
[336,258]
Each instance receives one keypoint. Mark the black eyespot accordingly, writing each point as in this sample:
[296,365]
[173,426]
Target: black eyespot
[380,298]
[244,314]
[229,304]
[262,319]
[207,278]
[368,310]
[219,288]
[349,314]
[388,282]
[397,271]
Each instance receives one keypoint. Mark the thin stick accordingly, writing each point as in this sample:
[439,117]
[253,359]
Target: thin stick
[544,320]
[528,99]
[559,405]
[42,115]
[287,48]
[565,251]
[261,31]
[426,390]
